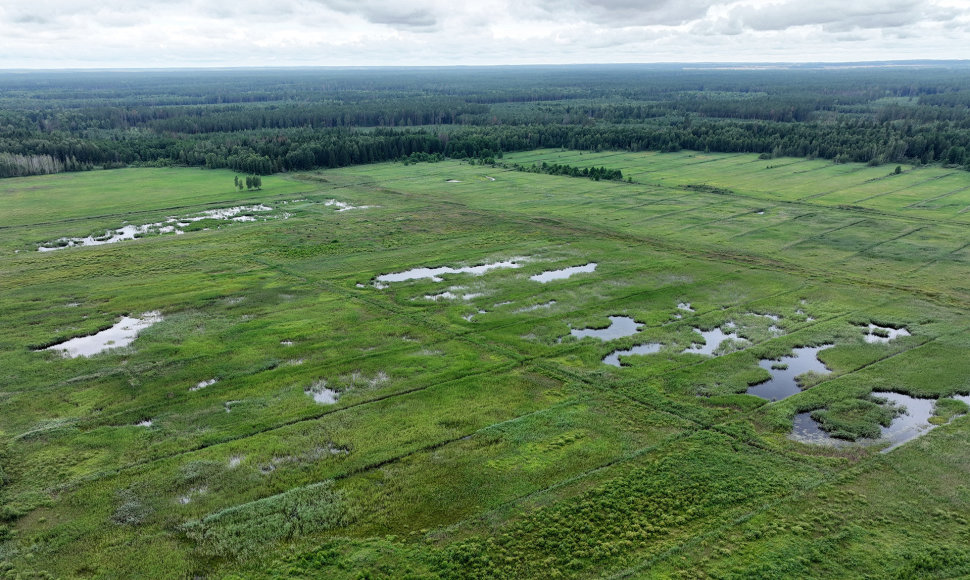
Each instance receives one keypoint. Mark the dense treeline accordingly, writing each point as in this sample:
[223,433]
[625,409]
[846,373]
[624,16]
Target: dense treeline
[261,122]
[594,173]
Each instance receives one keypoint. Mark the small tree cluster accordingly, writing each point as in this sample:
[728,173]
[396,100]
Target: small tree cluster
[250,182]
[594,173]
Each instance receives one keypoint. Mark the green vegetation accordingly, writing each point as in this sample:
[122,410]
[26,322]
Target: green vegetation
[473,436]
[260,122]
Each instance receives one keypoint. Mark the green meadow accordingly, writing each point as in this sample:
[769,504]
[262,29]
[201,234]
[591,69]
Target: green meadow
[293,415]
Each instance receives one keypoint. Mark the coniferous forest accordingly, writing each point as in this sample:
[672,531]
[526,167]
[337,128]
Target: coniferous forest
[269,121]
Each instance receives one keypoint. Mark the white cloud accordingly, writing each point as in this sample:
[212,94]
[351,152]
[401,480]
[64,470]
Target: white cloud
[91,33]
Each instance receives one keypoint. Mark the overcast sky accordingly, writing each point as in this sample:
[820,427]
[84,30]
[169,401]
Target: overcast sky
[169,33]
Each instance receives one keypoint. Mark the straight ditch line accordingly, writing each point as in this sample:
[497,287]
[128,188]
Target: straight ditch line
[879,243]
[937,260]
[807,214]
[823,234]
[920,203]
[917,184]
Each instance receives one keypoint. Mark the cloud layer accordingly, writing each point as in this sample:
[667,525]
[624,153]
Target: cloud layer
[167,33]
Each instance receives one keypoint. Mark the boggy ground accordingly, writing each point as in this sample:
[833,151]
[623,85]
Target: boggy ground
[496,445]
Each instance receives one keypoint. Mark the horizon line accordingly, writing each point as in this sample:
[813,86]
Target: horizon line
[687,64]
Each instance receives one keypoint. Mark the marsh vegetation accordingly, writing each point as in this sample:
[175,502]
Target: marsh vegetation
[721,366]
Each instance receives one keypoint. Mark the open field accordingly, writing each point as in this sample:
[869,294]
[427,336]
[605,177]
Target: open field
[470,435]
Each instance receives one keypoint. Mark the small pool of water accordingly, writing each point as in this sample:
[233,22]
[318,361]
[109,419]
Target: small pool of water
[805,429]
[203,384]
[550,275]
[535,307]
[613,358]
[344,206]
[685,306]
[620,326]
[434,274]
[110,237]
[889,332]
[322,395]
[169,226]
[121,334]
[914,422]
[712,340]
[771,317]
[783,371]
[469,317]
[453,294]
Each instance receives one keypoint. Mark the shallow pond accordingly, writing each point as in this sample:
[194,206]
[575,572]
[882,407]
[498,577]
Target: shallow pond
[712,340]
[322,395]
[915,421]
[169,226]
[886,333]
[535,307]
[434,274]
[620,326]
[110,237]
[344,206]
[562,274]
[452,294]
[772,317]
[783,371]
[805,429]
[203,384]
[121,334]
[469,317]
[912,423]
[614,357]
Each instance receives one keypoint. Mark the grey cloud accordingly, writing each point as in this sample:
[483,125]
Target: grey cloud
[850,38]
[630,12]
[389,13]
[30,19]
[834,15]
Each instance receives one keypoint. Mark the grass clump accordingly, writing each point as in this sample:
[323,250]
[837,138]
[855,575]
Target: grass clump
[946,409]
[854,419]
[246,529]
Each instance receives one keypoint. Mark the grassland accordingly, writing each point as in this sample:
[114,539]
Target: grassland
[483,444]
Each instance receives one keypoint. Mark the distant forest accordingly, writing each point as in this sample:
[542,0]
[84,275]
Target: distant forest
[267,121]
